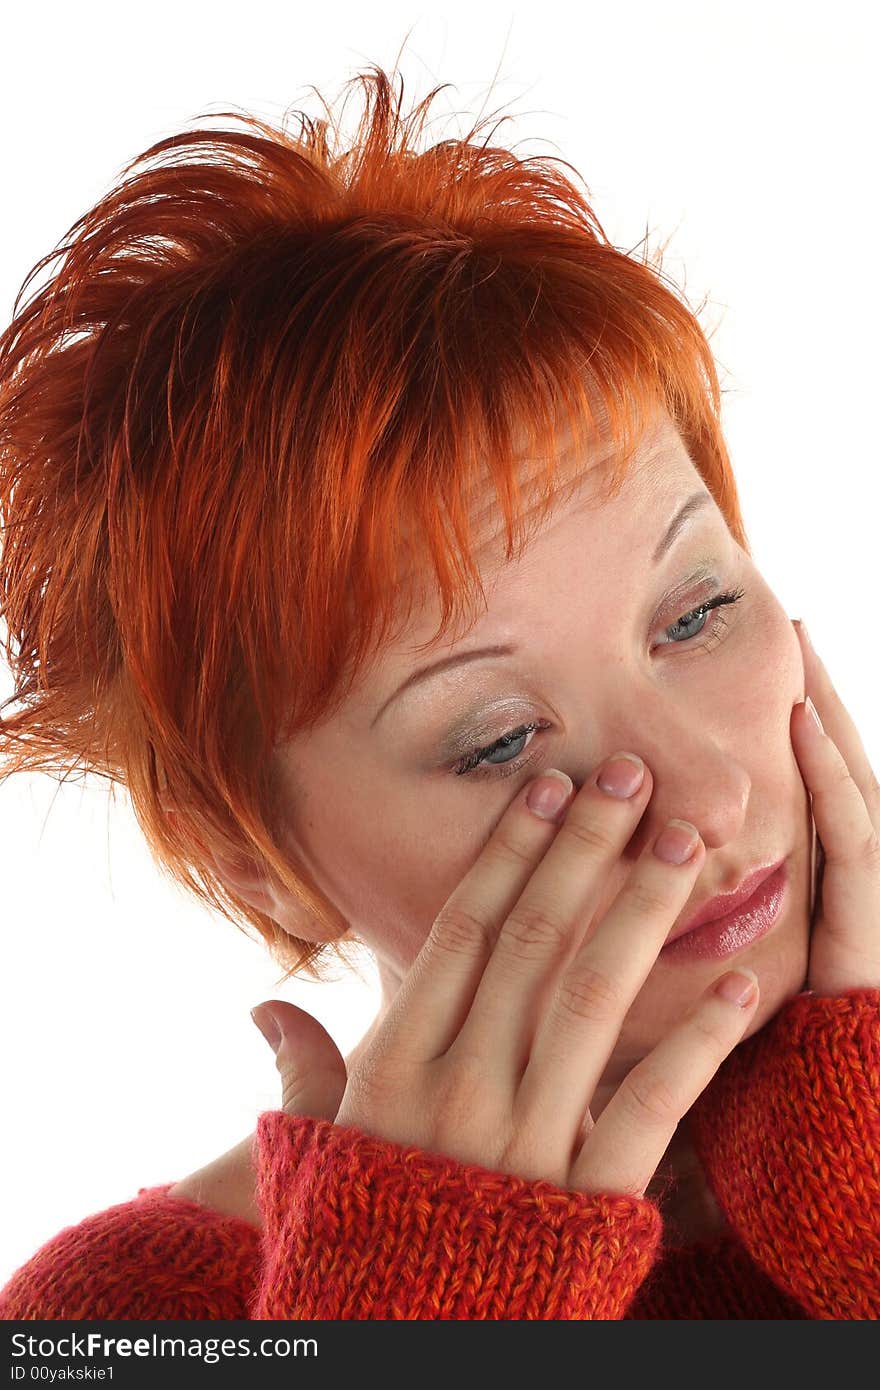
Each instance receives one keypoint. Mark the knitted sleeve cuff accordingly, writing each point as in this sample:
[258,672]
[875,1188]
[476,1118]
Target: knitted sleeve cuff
[788,1133]
[358,1227]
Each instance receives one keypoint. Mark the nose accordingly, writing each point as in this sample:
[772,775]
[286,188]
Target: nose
[702,783]
[695,777]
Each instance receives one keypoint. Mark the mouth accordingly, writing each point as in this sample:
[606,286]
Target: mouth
[727,904]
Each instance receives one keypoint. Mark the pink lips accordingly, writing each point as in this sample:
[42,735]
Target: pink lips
[725,936]
[725,904]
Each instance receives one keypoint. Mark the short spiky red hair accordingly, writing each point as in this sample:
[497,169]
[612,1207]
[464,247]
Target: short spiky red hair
[266,380]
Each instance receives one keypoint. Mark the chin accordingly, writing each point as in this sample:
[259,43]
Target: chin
[778,985]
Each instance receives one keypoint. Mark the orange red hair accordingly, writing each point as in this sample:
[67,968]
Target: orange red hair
[258,394]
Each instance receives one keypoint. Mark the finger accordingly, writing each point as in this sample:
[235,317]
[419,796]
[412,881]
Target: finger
[843,822]
[432,1003]
[845,945]
[547,923]
[839,725]
[312,1069]
[582,1025]
[623,1149]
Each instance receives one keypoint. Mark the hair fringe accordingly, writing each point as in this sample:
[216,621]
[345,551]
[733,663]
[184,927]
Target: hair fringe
[256,399]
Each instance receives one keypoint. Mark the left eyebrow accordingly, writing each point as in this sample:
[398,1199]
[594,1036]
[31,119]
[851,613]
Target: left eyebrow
[682,516]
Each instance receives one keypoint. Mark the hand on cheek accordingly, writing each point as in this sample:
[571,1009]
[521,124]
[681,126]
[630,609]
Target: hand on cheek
[845,931]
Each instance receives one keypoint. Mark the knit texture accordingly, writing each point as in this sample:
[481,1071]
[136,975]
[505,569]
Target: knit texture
[787,1132]
[381,1230]
[789,1140]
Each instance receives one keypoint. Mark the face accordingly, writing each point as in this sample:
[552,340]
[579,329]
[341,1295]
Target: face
[389,816]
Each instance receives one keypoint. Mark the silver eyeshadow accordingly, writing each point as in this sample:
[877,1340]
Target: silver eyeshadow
[477,727]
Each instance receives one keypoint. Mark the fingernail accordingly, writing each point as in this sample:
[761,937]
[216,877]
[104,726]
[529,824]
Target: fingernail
[547,799]
[804,633]
[677,843]
[812,710]
[738,987]
[267,1026]
[622,775]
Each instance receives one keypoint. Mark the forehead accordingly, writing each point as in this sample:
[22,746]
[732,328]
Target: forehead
[660,467]
[660,475]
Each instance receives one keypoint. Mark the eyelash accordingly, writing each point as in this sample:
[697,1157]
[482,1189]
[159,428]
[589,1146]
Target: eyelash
[472,760]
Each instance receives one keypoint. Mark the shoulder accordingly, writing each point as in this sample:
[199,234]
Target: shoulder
[153,1257]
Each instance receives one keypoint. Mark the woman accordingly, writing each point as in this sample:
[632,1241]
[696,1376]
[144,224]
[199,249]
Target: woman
[330,426]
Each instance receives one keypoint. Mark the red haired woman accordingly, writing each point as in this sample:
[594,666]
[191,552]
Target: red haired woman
[368,516]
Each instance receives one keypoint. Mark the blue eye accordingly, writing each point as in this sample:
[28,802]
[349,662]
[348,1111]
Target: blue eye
[699,615]
[477,756]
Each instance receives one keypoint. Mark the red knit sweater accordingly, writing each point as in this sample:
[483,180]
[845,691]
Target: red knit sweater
[787,1132]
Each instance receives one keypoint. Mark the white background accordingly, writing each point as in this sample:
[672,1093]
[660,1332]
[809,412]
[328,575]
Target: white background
[747,132]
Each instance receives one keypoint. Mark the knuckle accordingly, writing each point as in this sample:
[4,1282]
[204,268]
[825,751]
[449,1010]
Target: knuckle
[648,1097]
[871,850]
[841,775]
[460,931]
[533,931]
[591,835]
[509,852]
[291,1091]
[648,899]
[588,995]
[719,1041]
[859,852]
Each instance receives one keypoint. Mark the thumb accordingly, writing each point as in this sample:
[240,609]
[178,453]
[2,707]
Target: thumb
[312,1069]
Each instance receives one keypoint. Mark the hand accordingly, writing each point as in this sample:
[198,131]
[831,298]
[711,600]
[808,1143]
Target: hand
[492,1048]
[845,931]
[312,1082]
[312,1069]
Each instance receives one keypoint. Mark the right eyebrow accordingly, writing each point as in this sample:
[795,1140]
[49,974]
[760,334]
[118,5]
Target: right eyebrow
[682,516]
[444,664]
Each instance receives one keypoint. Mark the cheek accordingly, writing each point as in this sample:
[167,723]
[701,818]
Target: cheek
[766,677]
[430,861]
[388,867]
